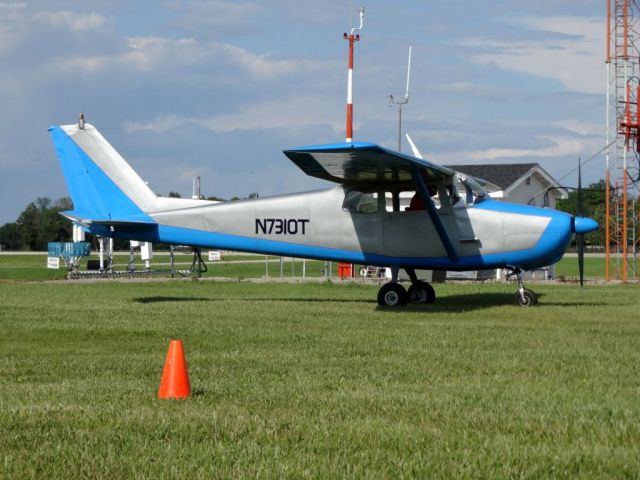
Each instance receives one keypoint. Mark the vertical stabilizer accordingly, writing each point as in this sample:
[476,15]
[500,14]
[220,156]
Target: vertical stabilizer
[103,186]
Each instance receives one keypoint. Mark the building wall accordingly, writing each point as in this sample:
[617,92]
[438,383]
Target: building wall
[523,193]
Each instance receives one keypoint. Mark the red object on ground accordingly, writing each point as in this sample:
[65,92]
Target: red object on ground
[344,270]
[175,378]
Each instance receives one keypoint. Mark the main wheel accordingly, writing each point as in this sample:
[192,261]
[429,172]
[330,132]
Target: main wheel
[530,298]
[421,292]
[392,295]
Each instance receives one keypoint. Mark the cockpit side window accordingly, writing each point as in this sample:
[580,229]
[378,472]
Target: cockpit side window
[356,201]
[474,192]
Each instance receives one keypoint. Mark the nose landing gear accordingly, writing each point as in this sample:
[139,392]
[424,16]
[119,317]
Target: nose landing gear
[393,294]
[523,297]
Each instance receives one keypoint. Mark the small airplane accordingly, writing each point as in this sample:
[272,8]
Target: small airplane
[451,224]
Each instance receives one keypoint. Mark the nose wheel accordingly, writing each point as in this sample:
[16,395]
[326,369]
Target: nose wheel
[523,297]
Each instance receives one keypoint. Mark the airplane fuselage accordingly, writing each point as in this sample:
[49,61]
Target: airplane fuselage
[322,225]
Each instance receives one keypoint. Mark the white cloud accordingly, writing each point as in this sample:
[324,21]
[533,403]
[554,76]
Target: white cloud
[76,22]
[12,6]
[260,66]
[87,64]
[581,128]
[213,13]
[294,112]
[145,54]
[576,61]
[468,88]
[160,124]
[558,146]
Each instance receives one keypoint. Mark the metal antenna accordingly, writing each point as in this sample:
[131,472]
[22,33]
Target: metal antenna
[400,103]
[352,39]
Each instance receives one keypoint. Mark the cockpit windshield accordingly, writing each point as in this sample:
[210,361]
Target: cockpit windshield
[472,188]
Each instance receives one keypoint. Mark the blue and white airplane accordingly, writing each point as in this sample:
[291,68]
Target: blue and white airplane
[451,225]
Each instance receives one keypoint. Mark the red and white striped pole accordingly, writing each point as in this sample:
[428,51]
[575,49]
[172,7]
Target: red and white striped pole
[352,39]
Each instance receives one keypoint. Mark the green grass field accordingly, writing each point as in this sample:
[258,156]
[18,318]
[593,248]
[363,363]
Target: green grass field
[317,381]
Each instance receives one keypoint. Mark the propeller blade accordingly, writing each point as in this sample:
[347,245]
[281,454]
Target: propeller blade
[580,236]
[579,212]
[580,245]
[414,149]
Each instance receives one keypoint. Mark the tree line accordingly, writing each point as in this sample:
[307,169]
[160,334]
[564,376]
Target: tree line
[39,224]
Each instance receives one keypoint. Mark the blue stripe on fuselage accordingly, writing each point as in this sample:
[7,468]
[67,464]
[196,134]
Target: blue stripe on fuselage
[548,249]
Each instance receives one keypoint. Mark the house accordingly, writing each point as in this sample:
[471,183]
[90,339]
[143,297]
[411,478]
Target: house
[525,183]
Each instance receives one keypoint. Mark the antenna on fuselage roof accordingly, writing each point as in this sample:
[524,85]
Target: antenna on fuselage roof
[400,103]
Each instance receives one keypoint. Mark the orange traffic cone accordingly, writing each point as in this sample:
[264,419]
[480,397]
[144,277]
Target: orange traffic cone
[175,379]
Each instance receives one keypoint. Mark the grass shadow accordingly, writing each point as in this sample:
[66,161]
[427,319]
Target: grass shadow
[455,303]
[576,304]
[449,303]
[161,299]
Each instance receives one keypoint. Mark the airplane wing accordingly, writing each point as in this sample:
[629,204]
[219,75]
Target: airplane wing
[361,162]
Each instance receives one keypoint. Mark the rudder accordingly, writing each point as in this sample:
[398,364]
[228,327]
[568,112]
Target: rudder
[102,185]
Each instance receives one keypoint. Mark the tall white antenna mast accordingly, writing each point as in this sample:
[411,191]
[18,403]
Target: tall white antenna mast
[400,103]
[352,39]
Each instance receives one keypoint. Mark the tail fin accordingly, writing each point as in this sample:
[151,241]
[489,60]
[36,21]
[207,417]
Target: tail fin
[103,186]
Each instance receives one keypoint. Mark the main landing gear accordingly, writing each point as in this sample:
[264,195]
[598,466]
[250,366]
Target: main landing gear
[393,294]
[523,297]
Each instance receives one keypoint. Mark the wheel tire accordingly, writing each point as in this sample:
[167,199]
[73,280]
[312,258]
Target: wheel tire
[530,299]
[392,295]
[421,292]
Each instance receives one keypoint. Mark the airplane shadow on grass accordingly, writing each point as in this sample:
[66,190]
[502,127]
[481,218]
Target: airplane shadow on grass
[449,303]
[161,299]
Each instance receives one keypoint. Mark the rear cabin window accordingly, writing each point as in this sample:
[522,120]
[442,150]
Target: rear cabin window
[356,201]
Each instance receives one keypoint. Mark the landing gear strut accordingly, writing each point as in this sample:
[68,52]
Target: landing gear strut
[393,294]
[523,297]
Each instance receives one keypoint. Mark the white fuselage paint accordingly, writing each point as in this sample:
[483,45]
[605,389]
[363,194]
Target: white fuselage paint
[473,231]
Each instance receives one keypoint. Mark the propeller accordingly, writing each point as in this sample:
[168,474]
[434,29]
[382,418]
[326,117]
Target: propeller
[414,149]
[580,236]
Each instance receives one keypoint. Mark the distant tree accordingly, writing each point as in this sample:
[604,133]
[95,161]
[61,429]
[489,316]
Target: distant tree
[41,223]
[10,236]
[174,195]
[216,199]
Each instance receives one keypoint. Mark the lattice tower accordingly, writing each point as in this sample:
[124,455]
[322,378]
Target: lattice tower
[623,139]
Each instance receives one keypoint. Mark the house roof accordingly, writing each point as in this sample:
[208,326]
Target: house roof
[502,175]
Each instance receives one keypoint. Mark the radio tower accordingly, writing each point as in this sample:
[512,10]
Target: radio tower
[352,39]
[623,138]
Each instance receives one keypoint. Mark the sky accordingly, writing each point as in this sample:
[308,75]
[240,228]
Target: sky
[219,88]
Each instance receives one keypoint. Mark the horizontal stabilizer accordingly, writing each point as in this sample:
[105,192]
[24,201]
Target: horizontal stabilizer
[82,219]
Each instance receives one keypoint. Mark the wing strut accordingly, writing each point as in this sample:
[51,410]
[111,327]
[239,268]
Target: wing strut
[433,213]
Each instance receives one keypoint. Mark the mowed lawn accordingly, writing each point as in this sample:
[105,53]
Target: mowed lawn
[317,381]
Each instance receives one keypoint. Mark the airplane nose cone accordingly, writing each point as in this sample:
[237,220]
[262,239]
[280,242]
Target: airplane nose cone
[584,224]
